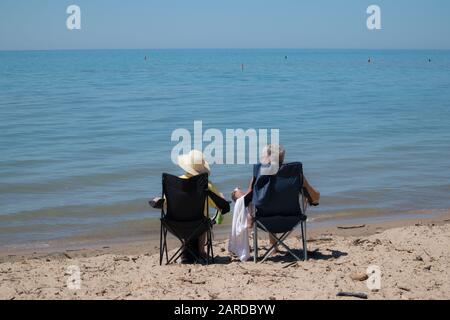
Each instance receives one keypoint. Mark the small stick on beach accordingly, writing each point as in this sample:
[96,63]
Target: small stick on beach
[351,227]
[290,264]
[403,250]
[192,281]
[319,239]
[352,294]
[404,288]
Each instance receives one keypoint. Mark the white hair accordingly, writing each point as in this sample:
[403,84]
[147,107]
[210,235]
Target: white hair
[270,152]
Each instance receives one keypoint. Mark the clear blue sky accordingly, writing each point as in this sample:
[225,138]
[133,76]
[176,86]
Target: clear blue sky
[41,24]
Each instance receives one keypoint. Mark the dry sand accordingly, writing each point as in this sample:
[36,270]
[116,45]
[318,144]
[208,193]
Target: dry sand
[414,260]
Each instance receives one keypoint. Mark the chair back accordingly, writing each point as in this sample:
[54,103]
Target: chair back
[278,194]
[185,198]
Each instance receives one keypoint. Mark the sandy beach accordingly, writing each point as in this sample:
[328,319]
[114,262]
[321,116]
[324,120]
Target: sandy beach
[412,254]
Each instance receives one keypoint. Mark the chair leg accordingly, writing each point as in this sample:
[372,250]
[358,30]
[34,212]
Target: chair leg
[161,249]
[305,249]
[211,245]
[165,246]
[176,255]
[280,241]
[208,245]
[207,248]
[274,246]
[184,247]
[255,242]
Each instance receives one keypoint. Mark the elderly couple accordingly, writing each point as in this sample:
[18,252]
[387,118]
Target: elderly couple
[194,163]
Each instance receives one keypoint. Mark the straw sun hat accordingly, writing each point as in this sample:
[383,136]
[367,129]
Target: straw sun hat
[194,162]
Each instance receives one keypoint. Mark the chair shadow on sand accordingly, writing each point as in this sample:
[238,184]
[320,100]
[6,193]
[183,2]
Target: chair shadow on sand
[284,257]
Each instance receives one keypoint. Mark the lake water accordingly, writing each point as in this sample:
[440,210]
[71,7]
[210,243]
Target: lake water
[85,135]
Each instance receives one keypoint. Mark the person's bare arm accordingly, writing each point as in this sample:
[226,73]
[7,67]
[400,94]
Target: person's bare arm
[314,195]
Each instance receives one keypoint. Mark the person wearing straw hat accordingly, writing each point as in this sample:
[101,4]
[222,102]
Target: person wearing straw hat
[194,163]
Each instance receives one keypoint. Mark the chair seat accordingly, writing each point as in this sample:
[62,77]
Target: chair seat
[187,229]
[280,224]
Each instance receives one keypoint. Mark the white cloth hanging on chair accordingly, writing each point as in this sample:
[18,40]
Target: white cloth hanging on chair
[239,244]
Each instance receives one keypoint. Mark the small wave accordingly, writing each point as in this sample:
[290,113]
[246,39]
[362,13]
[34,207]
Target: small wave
[81,211]
[75,181]
[368,213]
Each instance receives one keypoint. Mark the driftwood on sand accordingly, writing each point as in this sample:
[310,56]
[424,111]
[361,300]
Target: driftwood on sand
[360,295]
[352,227]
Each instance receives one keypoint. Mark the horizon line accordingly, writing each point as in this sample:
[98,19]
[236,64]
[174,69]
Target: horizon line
[224,48]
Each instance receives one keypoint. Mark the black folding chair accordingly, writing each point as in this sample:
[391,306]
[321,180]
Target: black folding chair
[279,206]
[184,215]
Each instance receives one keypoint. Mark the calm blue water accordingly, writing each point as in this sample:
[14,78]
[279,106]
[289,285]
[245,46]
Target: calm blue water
[85,135]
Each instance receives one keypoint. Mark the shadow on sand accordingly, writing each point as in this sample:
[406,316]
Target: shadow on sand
[285,257]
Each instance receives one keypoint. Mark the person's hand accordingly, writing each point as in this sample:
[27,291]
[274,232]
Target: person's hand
[156,202]
[237,193]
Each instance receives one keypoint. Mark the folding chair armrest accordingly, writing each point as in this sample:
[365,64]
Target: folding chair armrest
[308,197]
[221,203]
[156,203]
[248,198]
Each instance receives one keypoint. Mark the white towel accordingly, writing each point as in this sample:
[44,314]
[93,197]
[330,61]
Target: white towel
[238,243]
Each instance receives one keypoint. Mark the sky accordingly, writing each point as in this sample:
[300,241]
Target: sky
[118,24]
